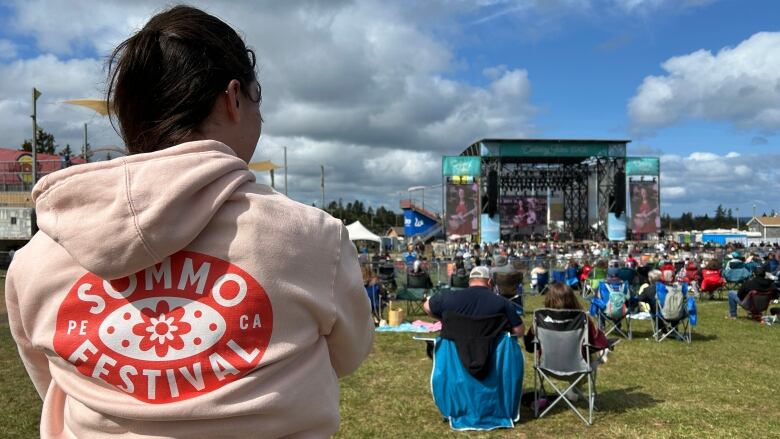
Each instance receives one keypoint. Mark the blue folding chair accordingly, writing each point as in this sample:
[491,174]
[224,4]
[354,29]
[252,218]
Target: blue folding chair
[558,276]
[572,277]
[375,298]
[540,282]
[599,308]
[664,325]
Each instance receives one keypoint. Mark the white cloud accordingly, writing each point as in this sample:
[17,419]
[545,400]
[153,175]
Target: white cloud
[58,80]
[739,85]
[361,87]
[7,49]
[700,181]
[649,5]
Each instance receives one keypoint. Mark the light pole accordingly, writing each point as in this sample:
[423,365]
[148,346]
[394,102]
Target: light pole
[737,218]
[35,94]
[322,184]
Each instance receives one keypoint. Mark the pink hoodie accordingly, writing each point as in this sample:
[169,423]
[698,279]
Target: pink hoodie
[230,311]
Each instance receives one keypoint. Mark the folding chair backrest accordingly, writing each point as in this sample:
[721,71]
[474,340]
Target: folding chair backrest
[386,271]
[559,276]
[561,334]
[626,274]
[614,298]
[668,312]
[507,282]
[460,281]
[757,302]
[736,274]
[542,279]
[373,295]
[418,281]
[598,273]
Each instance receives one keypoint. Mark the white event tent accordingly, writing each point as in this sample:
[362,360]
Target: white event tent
[358,232]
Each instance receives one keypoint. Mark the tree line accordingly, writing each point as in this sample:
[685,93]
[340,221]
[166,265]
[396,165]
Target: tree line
[722,219]
[377,220]
[45,144]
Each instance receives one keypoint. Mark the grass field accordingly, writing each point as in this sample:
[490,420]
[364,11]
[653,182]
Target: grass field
[725,384]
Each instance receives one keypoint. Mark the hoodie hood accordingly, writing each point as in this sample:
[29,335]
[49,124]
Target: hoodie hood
[118,217]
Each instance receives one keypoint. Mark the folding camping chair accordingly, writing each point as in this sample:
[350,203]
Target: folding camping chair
[614,298]
[712,283]
[735,273]
[471,399]
[558,276]
[414,293]
[757,302]
[375,298]
[628,275]
[510,286]
[560,352]
[595,277]
[386,274]
[666,325]
[539,282]
[459,281]
[572,279]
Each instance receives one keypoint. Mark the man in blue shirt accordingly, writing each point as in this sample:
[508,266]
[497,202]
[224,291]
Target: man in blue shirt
[477,300]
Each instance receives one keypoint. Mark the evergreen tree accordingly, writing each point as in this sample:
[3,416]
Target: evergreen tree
[45,143]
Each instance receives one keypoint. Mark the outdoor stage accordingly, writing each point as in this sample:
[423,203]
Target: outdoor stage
[517,189]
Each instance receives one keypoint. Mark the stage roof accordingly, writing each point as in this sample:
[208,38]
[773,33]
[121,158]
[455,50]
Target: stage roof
[548,148]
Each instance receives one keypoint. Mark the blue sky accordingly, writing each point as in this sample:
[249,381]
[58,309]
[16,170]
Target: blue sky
[586,66]
[378,91]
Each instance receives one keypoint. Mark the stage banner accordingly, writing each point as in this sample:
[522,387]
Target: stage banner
[643,166]
[522,214]
[460,165]
[616,227]
[645,211]
[462,205]
[489,229]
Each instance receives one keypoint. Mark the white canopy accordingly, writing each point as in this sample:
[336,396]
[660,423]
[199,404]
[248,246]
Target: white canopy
[358,232]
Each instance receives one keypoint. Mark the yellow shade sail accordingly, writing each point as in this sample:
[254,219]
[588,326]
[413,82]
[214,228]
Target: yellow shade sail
[98,105]
[264,166]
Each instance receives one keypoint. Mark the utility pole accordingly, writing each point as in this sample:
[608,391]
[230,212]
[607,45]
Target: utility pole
[84,152]
[285,171]
[35,94]
[322,185]
[737,218]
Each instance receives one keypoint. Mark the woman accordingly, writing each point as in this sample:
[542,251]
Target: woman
[561,296]
[169,295]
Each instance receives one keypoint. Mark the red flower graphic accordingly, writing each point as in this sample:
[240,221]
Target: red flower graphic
[161,328]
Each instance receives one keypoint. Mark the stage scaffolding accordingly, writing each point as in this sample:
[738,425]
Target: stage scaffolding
[589,176]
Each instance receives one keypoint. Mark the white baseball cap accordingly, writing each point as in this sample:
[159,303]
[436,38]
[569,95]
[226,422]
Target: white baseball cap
[480,273]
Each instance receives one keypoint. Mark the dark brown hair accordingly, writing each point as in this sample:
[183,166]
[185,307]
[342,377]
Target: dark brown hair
[163,81]
[561,296]
[713,264]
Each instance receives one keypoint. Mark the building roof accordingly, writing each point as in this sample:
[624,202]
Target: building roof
[514,147]
[397,230]
[766,221]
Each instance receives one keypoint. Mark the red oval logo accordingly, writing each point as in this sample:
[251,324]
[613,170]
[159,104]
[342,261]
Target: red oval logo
[182,328]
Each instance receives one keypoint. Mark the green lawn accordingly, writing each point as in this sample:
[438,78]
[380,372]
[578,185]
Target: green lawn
[725,384]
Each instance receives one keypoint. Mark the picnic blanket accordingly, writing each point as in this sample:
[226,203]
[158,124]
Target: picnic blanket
[418,326]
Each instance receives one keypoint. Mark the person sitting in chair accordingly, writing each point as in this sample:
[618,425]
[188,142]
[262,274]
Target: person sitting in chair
[561,296]
[506,277]
[419,278]
[758,283]
[477,300]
